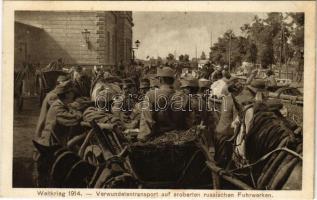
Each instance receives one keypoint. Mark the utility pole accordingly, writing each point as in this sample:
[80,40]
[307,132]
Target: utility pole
[284,50]
[175,56]
[230,51]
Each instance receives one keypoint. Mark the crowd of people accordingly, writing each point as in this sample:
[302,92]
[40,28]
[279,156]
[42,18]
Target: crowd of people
[151,103]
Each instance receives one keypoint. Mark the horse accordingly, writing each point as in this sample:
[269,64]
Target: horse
[266,149]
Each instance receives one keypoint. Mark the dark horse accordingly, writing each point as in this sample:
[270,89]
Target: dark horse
[266,150]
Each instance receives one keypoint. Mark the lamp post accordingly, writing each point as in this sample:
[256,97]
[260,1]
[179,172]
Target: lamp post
[137,44]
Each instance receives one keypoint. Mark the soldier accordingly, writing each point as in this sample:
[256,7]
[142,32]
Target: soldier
[58,123]
[130,94]
[230,108]
[81,82]
[144,86]
[270,80]
[217,74]
[225,72]
[154,83]
[47,102]
[136,112]
[204,85]
[59,117]
[157,115]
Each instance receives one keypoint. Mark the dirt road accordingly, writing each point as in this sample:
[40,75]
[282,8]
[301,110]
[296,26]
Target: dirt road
[23,131]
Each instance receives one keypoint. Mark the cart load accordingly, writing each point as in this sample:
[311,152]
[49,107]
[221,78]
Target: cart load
[170,161]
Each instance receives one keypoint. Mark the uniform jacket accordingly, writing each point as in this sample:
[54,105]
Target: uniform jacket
[47,102]
[59,119]
[227,113]
[157,117]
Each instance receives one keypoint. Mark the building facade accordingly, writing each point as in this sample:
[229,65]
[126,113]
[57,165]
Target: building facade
[85,38]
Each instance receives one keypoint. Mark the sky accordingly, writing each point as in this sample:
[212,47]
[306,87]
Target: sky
[161,33]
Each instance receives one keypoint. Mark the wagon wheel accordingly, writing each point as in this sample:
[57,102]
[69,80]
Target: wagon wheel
[93,155]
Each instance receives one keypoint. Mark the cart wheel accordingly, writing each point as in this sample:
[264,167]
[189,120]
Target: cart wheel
[93,155]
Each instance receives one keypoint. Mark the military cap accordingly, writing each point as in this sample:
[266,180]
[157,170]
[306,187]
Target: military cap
[62,78]
[165,72]
[64,87]
[257,85]
[154,82]
[189,83]
[144,83]
[204,83]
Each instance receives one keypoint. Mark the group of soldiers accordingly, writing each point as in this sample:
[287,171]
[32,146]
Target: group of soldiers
[153,104]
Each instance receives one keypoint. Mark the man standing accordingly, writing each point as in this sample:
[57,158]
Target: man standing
[156,114]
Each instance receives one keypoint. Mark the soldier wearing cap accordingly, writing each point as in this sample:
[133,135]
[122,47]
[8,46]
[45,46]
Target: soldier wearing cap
[157,115]
[82,82]
[189,85]
[136,112]
[232,105]
[154,83]
[59,117]
[193,104]
[130,94]
[204,85]
[217,74]
[59,121]
[270,80]
[144,86]
[255,91]
[47,102]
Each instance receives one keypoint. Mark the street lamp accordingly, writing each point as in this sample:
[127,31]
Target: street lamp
[137,44]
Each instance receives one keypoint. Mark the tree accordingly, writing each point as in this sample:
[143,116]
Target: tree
[181,58]
[159,61]
[186,58]
[170,57]
[203,56]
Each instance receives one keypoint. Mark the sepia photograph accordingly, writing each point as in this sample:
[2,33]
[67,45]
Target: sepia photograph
[161,100]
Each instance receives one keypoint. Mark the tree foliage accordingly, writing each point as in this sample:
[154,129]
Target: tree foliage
[276,39]
[203,56]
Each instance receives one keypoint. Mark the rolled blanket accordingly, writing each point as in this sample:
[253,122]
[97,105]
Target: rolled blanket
[93,113]
[81,103]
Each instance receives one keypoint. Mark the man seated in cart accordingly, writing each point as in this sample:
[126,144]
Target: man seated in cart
[59,121]
[157,115]
[60,118]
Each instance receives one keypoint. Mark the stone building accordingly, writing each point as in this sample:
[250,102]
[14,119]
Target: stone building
[83,37]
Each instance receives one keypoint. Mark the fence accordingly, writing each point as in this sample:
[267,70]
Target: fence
[292,75]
